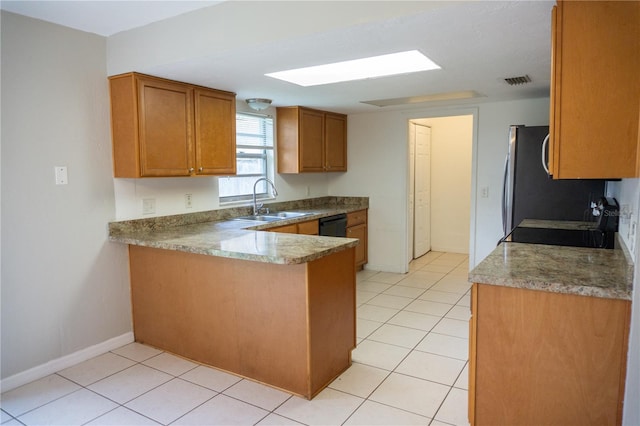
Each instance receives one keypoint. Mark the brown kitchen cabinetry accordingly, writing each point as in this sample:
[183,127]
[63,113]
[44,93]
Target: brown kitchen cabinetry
[311,140]
[291,326]
[285,229]
[163,128]
[538,357]
[357,228]
[309,227]
[595,90]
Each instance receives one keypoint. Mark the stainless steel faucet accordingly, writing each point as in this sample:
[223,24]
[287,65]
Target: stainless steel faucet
[257,208]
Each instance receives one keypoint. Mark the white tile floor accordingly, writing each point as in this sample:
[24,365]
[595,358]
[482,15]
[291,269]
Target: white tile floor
[410,368]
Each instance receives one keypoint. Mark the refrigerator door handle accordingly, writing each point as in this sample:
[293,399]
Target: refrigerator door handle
[504,195]
[508,182]
[544,156]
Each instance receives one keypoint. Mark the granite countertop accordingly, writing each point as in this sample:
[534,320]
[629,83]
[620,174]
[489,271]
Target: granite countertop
[218,233]
[571,270]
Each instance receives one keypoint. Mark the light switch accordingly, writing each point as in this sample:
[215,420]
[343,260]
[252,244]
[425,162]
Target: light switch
[61,175]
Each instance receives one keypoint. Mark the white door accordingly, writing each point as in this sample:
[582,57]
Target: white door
[412,175]
[422,215]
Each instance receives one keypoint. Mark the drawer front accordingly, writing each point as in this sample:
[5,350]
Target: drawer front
[308,228]
[356,218]
[287,229]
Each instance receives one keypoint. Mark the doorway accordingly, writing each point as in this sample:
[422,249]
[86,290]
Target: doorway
[441,176]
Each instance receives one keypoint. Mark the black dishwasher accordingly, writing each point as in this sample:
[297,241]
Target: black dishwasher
[334,226]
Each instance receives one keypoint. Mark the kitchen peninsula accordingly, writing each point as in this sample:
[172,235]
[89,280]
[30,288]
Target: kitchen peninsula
[549,334]
[276,308]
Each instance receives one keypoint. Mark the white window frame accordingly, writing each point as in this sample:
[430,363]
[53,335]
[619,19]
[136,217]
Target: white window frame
[269,158]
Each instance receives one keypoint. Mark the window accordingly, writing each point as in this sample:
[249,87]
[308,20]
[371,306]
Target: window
[254,159]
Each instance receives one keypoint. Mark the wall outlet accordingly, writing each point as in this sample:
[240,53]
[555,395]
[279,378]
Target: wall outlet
[148,205]
[61,175]
[187,201]
[484,192]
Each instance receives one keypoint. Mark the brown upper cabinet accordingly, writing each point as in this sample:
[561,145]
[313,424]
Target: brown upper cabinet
[164,128]
[311,140]
[595,90]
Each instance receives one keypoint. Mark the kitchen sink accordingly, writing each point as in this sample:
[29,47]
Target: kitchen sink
[271,217]
[259,218]
[288,215]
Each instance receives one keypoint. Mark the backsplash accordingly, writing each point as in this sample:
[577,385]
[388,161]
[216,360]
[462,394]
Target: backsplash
[159,222]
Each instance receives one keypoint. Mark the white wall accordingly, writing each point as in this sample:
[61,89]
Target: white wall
[64,286]
[378,169]
[451,148]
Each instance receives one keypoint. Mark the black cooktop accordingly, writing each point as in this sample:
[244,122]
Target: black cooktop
[588,237]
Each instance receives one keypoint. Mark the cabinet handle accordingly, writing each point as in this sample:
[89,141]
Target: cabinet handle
[191,170]
[200,169]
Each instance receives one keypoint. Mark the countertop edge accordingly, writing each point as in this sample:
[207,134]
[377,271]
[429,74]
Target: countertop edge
[560,288]
[161,232]
[582,271]
[281,260]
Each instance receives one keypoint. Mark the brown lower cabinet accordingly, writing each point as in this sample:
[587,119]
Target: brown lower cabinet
[542,358]
[289,326]
[357,228]
[310,227]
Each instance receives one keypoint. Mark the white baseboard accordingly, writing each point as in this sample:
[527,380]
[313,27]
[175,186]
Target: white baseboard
[66,361]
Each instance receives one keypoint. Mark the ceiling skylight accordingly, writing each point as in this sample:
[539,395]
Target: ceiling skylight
[358,69]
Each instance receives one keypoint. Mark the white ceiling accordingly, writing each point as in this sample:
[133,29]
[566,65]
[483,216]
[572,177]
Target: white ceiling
[477,44]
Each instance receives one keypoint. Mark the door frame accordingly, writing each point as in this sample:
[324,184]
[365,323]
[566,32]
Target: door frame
[439,113]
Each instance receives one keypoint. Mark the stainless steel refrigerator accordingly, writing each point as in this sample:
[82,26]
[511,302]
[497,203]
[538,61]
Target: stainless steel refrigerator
[529,192]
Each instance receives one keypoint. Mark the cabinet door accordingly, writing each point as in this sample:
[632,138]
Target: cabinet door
[356,218]
[215,138]
[596,90]
[165,127]
[285,229]
[359,232]
[311,141]
[335,143]
[310,227]
[547,358]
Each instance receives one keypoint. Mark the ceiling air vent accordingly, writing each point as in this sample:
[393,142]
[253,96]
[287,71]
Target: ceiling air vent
[514,81]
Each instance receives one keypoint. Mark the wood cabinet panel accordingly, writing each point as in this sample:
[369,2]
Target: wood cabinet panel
[166,128]
[595,91]
[310,227]
[310,140]
[335,142]
[359,232]
[356,218]
[290,326]
[287,229]
[546,358]
[165,112]
[357,228]
[215,133]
